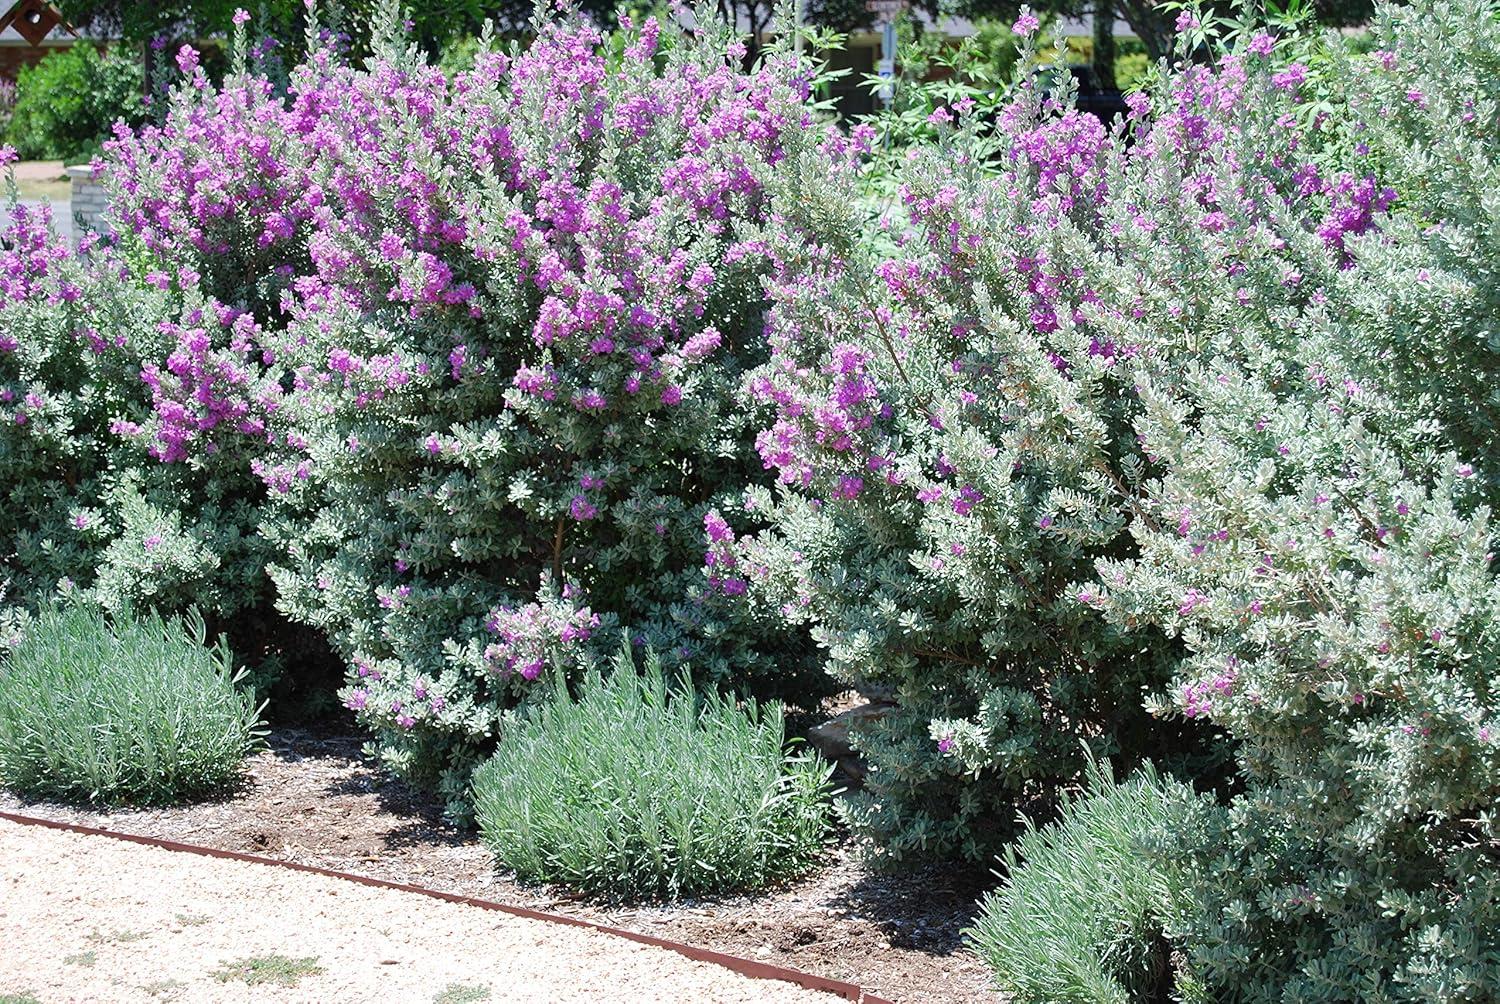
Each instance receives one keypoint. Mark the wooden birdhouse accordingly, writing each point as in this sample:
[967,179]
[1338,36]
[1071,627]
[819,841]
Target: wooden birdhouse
[34,20]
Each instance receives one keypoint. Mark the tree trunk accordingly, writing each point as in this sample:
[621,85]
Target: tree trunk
[1104,45]
[1151,28]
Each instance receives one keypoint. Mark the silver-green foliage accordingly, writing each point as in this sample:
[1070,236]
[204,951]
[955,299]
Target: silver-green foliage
[134,709]
[635,789]
[1327,564]
[1087,910]
[1426,292]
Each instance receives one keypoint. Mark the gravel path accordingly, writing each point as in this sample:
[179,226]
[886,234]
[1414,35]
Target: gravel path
[89,918]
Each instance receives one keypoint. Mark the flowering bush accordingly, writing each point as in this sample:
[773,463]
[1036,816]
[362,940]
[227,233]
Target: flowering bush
[1339,621]
[102,369]
[7,104]
[1339,605]
[511,307]
[1425,298]
[125,396]
[956,405]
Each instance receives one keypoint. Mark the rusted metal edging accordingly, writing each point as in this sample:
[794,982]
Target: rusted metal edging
[745,967]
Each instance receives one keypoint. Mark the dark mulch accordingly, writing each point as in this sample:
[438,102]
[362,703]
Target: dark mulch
[310,798]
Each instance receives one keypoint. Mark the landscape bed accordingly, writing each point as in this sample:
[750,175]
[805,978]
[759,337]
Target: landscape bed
[312,799]
[579,411]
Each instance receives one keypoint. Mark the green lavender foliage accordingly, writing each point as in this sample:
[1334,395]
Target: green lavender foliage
[1087,912]
[635,789]
[126,709]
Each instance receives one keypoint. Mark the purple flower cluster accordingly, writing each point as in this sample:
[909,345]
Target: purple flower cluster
[551,632]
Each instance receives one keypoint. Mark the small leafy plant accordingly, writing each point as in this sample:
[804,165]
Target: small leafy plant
[1085,908]
[63,107]
[122,710]
[635,790]
[276,970]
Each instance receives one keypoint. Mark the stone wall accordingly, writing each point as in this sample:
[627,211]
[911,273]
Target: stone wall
[89,199]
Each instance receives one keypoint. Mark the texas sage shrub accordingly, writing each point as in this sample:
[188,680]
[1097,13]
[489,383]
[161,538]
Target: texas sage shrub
[640,789]
[1427,289]
[509,308]
[126,709]
[7,104]
[124,400]
[1338,604]
[1087,913]
[956,400]
[1335,591]
[131,408]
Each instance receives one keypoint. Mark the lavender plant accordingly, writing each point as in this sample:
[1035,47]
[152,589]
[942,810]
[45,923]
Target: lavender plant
[132,710]
[639,789]
[1087,913]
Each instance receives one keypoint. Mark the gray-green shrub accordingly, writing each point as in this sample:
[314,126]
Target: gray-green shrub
[130,709]
[634,789]
[1087,907]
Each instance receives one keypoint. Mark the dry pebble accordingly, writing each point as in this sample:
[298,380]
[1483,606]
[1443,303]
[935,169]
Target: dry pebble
[93,919]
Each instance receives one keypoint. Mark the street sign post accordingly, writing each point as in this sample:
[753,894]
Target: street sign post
[886,68]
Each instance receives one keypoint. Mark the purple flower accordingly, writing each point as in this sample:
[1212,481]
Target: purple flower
[187,59]
[1290,78]
[582,509]
[717,529]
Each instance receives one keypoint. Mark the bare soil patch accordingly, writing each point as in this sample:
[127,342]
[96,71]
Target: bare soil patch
[310,798]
